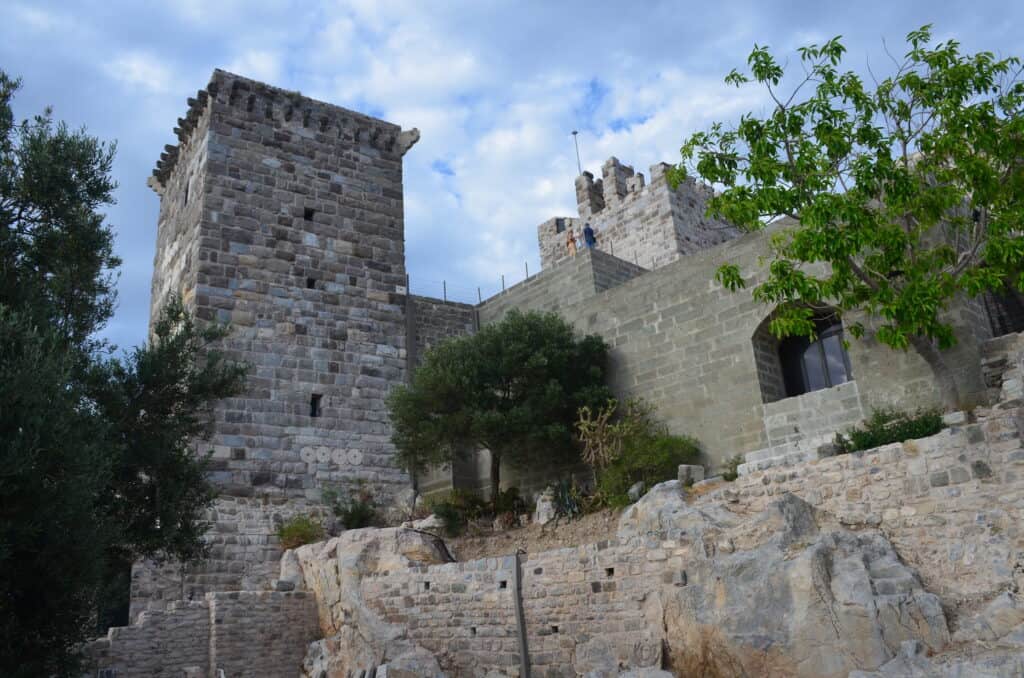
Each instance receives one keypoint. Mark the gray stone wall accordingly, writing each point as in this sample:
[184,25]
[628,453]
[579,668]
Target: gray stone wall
[682,341]
[250,634]
[434,320]
[464,612]
[244,553]
[648,225]
[283,216]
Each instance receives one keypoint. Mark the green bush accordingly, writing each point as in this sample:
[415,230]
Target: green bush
[568,499]
[299,530]
[650,458]
[509,501]
[731,468]
[355,512]
[888,425]
[457,508]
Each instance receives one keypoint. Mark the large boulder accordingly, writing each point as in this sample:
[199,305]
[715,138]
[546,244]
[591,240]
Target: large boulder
[781,593]
[356,638]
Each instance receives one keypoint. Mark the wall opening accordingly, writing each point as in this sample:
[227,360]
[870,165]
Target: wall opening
[559,225]
[797,365]
[308,213]
[314,405]
[310,283]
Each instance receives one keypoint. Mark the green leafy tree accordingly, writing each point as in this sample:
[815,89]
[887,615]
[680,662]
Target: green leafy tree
[513,388]
[910,189]
[96,452]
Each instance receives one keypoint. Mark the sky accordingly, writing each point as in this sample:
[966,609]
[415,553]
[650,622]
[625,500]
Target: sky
[495,88]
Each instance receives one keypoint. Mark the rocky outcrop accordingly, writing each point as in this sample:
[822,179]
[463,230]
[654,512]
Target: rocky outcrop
[782,593]
[356,638]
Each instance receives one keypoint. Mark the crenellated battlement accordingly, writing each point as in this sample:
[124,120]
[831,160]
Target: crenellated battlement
[649,224]
[261,101]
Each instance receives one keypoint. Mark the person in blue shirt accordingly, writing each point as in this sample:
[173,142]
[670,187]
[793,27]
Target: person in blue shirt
[589,237]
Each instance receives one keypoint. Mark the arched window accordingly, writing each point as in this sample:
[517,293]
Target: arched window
[813,365]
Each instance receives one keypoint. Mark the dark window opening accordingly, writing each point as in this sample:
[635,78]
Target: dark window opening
[609,571]
[502,584]
[308,213]
[559,225]
[314,405]
[554,629]
[1005,311]
[813,365]
[188,181]
[351,280]
[472,630]
[426,586]
[310,283]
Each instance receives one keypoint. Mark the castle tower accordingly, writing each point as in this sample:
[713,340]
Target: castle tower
[283,216]
[648,224]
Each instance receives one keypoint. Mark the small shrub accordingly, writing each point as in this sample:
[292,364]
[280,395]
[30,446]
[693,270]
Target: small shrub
[647,458]
[299,530]
[457,509]
[568,499]
[356,511]
[731,468]
[889,425]
[509,501]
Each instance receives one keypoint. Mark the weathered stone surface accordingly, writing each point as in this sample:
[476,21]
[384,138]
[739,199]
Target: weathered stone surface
[544,513]
[357,638]
[636,491]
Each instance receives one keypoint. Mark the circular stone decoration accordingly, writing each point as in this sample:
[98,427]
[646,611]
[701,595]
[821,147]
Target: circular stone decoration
[355,457]
[339,456]
[307,454]
[323,454]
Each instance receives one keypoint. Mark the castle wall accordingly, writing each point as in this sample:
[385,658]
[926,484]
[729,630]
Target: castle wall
[245,553]
[686,344]
[434,320]
[246,634]
[951,505]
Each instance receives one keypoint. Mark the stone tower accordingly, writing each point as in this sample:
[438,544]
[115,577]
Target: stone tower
[283,216]
[650,225]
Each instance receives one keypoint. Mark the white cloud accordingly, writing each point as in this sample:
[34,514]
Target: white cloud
[143,70]
[258,64]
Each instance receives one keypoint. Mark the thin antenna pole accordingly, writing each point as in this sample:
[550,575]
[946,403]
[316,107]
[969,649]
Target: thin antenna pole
[576,143]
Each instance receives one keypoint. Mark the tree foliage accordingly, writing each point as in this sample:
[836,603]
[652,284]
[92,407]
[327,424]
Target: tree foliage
[96,461]
[909,187]
[512,388]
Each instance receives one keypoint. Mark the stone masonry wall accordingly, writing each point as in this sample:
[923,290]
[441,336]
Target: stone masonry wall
[929,496]
[434,320]
[951,504]
[246,634]
[283,216]
[686,344]
[648,225]
[245,553]
[301,249]
[464,612]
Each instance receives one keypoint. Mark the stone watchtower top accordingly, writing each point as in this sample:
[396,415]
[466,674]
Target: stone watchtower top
[649,225]
[291,106]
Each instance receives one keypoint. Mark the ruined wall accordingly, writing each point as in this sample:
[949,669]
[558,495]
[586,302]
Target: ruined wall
[244,553]
[464,612]
[648,225]
[246,634]
[686,344]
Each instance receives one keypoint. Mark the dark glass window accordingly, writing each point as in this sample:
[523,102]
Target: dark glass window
[559,225]
[813,365]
